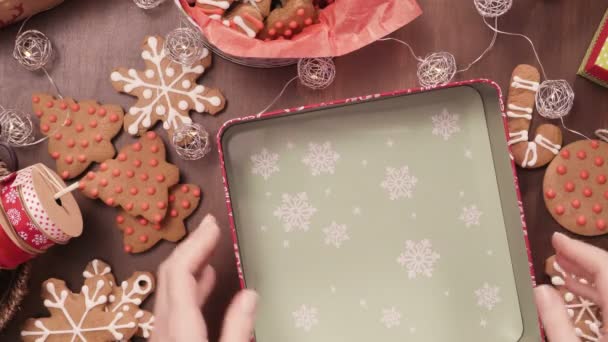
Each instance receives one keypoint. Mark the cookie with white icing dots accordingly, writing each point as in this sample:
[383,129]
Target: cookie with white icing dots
[585,315]
[576,187]
[166,91]
[548,138]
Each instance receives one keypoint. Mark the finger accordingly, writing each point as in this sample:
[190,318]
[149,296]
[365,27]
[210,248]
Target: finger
[193,254]
[240,318]
[584,290]
[591,259]
[553,315]
[206,283]
[571,268]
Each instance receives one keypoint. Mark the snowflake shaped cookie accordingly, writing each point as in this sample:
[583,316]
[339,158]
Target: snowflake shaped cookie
[166,90]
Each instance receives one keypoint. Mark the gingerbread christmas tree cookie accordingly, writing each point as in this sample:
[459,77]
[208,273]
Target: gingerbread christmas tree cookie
[79,316]
[138,179]
[166,90]
[141,235]
[79,133]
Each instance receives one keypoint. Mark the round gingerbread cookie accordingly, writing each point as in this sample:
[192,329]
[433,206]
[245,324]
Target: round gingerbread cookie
[576,188]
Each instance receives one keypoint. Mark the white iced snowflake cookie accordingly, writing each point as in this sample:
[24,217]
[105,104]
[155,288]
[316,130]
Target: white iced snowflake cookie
[166,90]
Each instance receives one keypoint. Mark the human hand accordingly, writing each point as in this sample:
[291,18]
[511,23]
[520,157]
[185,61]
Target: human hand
[584,261]
[185,281]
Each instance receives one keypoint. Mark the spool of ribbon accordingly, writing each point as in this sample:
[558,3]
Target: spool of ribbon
[32,221]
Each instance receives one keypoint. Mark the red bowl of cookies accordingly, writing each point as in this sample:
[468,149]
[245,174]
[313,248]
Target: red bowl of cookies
[266,33]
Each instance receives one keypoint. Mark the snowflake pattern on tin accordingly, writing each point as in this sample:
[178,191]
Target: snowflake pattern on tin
[23,235]
[305,318]
[321,158]
[295,212]
[336,234]
[265,163]
[14,216]
[470,216]
[399,183]
[445,124]
[418,258]
[11,196]
[390,318]
[488,296]
[39,240]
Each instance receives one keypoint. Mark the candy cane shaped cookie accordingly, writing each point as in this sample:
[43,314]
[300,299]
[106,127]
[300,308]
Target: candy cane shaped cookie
[215,9]
[520,106]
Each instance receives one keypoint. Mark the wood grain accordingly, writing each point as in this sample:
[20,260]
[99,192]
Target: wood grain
[92,37]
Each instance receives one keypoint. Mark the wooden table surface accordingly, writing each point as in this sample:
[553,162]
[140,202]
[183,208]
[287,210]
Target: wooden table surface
[92,37]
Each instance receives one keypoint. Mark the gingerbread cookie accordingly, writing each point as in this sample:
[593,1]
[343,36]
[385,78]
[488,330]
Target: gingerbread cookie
[520,107]
[166,90]
[286,21]
[138,179]
[80,133]
[215,9]
[585,315]
[128,295]
[79,316]
[246,19]
[141,235]
[576,189]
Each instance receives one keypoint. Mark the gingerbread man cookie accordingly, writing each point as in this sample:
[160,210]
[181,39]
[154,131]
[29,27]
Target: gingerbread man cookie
[138,179]
[80,133]
[128,295]
[79,316]
[141,235]
[166,90]
[585,314]
[520,107]
[291,19]
[576,189]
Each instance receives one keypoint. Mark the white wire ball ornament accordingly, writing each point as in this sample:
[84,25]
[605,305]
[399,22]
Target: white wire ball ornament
[436,69]
[554,99]
[16,128]
[316,73]
[191,141]
[185,46]
[493,8]
[148,4]
[33,49]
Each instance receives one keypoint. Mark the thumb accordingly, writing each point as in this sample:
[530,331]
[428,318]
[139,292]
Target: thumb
[240,317]
[553,315]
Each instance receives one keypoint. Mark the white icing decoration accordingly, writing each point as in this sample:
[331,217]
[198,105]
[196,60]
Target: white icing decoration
[170,72]
[183,105]
[161,102]
[146,327]
[516,137]
[217,3]
[149,73]
[97,270]
[568,297]
[130,296]
[547,144]
[216,16]
[526,110]
[147,93]
[531,155]
[558,281]
[238,20]
[186,84]
[521,83]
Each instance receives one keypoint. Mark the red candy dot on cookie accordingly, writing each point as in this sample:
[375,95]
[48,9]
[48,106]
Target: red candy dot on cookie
[69,160]
[49,104]
[137,163]
[601,179]
[569,186]
[565,154]
[82,158]
[595,144]
[173,213]
[133,191]
[160,178]
[584,174]
[293,24]
[130,173]
[67,122]
[151,135]
[103,182]
[560,210]
[145,206]
[58,136]
[91,110]
[278,24]
[128,248]
[75,107]
[599,161]
[55,155]
[143,238]
[103,167]
[153,162]
[102,112]
[122,157]
[39,113]
[597,208]
[129,230]
[71,143]
[158,218]
[143,176]
[116,172]
[129,206]
[118,189]
[53,118]
[300,12]
[91,175]
[93,124]
[98,138]
[587,192]
[287,33]
[185,204]
[82,185]
[576,204]
[196,193]
[272,32]
[94,192]
[581,155]
[110,201]
[151,191]
[45,128]
[308,21]
[161,205]
[154,148]
[157,226]
[113,117]
[84,143]
[600,224]
[143,221]
[561,169]
[79,128]
[581,220]
[550,194]
[65,175]
[136,147]
[171,198]
[35,99]
[63,106]
[185,189]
